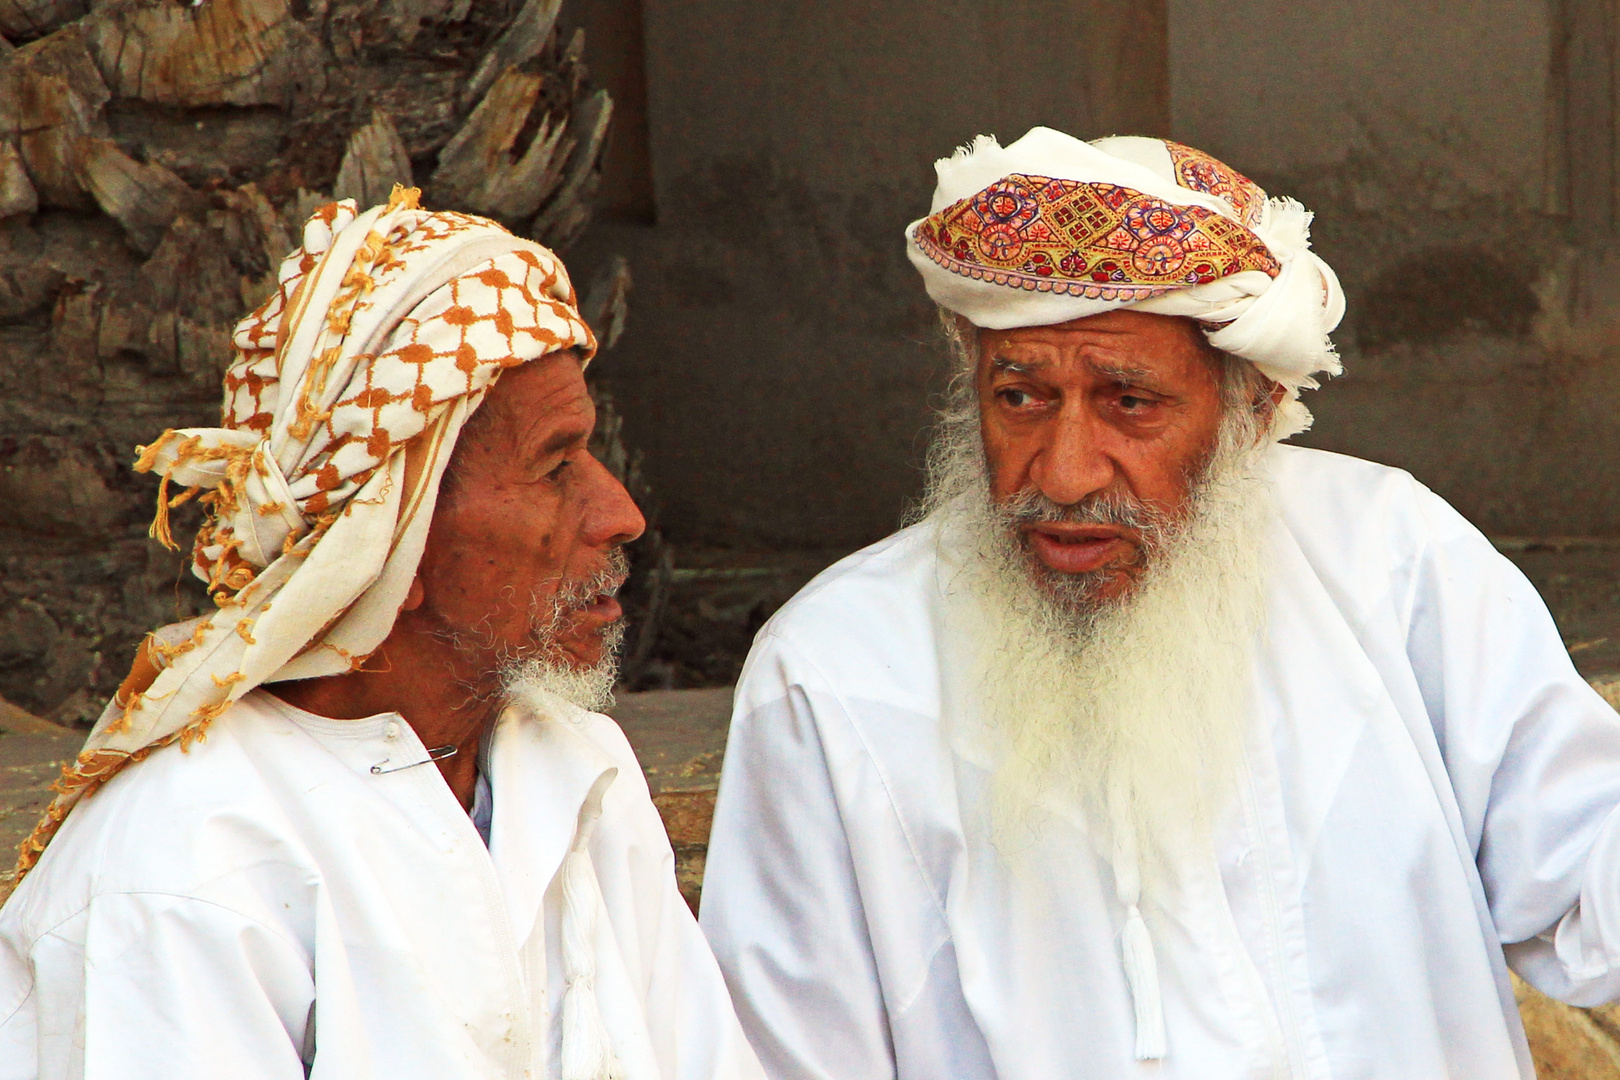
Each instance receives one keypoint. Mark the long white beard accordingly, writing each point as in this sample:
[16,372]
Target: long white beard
[1133,711]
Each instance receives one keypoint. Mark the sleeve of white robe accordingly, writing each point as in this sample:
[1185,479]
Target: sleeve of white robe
[1533,755]
[151,985]
[691,1025]
[781,904]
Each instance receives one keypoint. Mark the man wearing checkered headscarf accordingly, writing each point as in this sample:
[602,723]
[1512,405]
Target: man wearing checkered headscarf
[359,821]
[1156,743]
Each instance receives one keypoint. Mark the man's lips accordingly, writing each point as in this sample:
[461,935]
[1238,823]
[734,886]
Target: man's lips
[603,609]
[1078,549]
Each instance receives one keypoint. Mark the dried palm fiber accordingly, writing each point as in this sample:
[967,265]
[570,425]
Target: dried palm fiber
[342,407]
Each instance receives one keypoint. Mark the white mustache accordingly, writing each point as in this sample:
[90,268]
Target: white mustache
[605,582]
[1031,507]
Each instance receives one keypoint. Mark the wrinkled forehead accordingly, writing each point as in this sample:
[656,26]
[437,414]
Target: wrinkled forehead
[529,401]
[1127,340]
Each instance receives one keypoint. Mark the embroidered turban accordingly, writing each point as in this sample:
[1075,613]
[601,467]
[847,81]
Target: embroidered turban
[342,407]
[1051,228]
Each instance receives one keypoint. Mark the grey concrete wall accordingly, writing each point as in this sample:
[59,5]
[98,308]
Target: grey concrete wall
[1431,139]
[1459,89]
[780,350]
[781,353]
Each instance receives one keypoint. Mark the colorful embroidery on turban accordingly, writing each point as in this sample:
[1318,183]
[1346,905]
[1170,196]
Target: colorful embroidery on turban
[1099,241]
[1051,228]
[349,388]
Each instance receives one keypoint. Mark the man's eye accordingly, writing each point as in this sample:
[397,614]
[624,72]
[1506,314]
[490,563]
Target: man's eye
[556,474]
[1132,403]
[1018,399]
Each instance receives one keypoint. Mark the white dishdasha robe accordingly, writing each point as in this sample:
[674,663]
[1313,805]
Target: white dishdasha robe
[268,906]
[1427,798]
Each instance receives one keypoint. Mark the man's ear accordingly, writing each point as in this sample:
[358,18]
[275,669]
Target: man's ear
[414,595]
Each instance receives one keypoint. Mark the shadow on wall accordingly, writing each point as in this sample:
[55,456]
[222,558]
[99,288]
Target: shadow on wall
[1441,293]
[1481,350]
[781,352]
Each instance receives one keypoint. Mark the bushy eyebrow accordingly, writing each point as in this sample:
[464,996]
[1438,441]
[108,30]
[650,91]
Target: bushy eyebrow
[563,440]
[1122,374]
[527,442]
[1017,367]
[1118,373]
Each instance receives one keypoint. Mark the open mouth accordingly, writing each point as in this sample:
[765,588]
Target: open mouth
[593,598]
[604,607]
[1078,549]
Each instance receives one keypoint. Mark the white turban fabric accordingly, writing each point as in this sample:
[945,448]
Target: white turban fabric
[1051,228]
[349,389]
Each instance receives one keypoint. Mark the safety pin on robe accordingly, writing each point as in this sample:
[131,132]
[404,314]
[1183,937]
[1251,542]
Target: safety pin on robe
[438,753]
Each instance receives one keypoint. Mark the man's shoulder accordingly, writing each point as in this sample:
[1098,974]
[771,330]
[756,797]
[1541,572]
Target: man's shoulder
[1367,528]
[1306,471]
[893,579]
[1356,499]
[170,823]
[869,618]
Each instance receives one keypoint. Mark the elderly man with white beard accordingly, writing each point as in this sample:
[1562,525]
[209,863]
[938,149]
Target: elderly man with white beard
[1156,745]
[360,821]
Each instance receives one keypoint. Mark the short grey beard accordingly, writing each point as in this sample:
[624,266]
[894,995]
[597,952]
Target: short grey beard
[536,663]
[1133,708]
[590,688]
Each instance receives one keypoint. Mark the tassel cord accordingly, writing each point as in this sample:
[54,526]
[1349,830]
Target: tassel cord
[1136,943]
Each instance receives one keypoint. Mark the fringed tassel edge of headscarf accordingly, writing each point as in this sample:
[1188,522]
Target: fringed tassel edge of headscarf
[78,781]
[189,451]
[92,769]
[90,772]
[587,1052]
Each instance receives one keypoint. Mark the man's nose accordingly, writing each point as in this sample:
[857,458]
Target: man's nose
[611,516]
[1074,461]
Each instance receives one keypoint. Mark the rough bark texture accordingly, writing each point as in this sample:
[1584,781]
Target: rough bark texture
[156,162]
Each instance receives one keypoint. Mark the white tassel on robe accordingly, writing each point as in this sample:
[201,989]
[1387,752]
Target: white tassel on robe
[1142,972]
[1136,944]
[587,1052]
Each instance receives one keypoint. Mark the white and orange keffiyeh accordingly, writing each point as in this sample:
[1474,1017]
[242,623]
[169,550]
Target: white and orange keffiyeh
[348,391]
